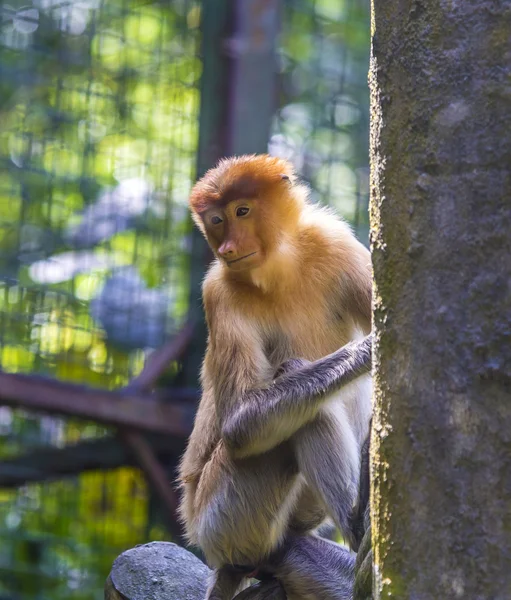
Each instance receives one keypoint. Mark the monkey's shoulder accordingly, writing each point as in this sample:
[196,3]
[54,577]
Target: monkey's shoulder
[214,290]
[331,250]
[327,236]
[228,308]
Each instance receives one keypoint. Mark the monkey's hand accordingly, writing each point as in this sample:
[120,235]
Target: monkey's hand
[290,365]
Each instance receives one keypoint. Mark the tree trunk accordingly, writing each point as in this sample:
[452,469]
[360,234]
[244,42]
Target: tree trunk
[441,240]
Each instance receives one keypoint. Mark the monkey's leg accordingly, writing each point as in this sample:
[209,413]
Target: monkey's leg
[309,512]
[311,568]
[244,506]
[328,457]
[357,518]
[224,584]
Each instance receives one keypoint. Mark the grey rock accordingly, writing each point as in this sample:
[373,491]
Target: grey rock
[159,571]
[165,571]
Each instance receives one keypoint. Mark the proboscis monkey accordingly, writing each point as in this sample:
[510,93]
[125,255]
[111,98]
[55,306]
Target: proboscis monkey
[277,439]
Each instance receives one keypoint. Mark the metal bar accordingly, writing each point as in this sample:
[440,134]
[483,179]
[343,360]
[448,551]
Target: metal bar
[43,464]
[213,124]
[156,476]
[238,100]
[136,411]
[49,463]
[138,445]
[253,74]
[159,360]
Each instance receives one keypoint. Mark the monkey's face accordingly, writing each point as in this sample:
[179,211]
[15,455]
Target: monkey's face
[234,234]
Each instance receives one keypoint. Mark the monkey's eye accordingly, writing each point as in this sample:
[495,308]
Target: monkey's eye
[242,211]
[216,220]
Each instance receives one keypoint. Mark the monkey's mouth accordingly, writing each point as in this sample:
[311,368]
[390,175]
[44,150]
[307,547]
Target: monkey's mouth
[231,262]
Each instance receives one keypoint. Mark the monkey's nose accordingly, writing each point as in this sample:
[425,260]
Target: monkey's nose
[226,250]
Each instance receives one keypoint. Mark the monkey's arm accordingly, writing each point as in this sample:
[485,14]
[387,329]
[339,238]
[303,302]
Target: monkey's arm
[263,418]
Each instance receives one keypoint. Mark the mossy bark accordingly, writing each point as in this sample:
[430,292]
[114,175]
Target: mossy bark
[441,242]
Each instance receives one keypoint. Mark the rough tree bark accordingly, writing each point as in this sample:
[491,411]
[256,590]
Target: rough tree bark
[441,240]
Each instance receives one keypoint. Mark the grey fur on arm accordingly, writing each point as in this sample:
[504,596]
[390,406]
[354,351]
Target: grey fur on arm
[256,423]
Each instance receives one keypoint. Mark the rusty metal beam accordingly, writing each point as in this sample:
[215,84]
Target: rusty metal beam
[41,464]
[49,463]
[159,360]
[133,410]
[252,98]
[157,477]
[140,448]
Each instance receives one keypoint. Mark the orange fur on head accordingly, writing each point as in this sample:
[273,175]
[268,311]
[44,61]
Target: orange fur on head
[248,176]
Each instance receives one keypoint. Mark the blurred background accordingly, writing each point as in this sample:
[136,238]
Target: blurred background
[109,111]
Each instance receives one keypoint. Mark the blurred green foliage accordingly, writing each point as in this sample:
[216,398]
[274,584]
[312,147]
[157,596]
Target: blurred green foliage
[99,112]
[98,135]
[322,124]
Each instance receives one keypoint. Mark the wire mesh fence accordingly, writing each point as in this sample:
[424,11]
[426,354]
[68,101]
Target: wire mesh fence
[322,123]
[99,113]
[99,110]
[58,540]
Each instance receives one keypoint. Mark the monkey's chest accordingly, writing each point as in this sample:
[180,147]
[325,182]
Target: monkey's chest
[303,337]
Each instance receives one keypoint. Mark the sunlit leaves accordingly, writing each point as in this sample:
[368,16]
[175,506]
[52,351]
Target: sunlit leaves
[193,17]
[333,10]
[162,113]
[126,109]
[95,99]
[16,358]
[98,358]
[10,207]
[295,44]
[86,287]
[322,126]
[61,160]
[56,335]
[115,509]
[146,28]
[109,48]
[63,208]
[341,183]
